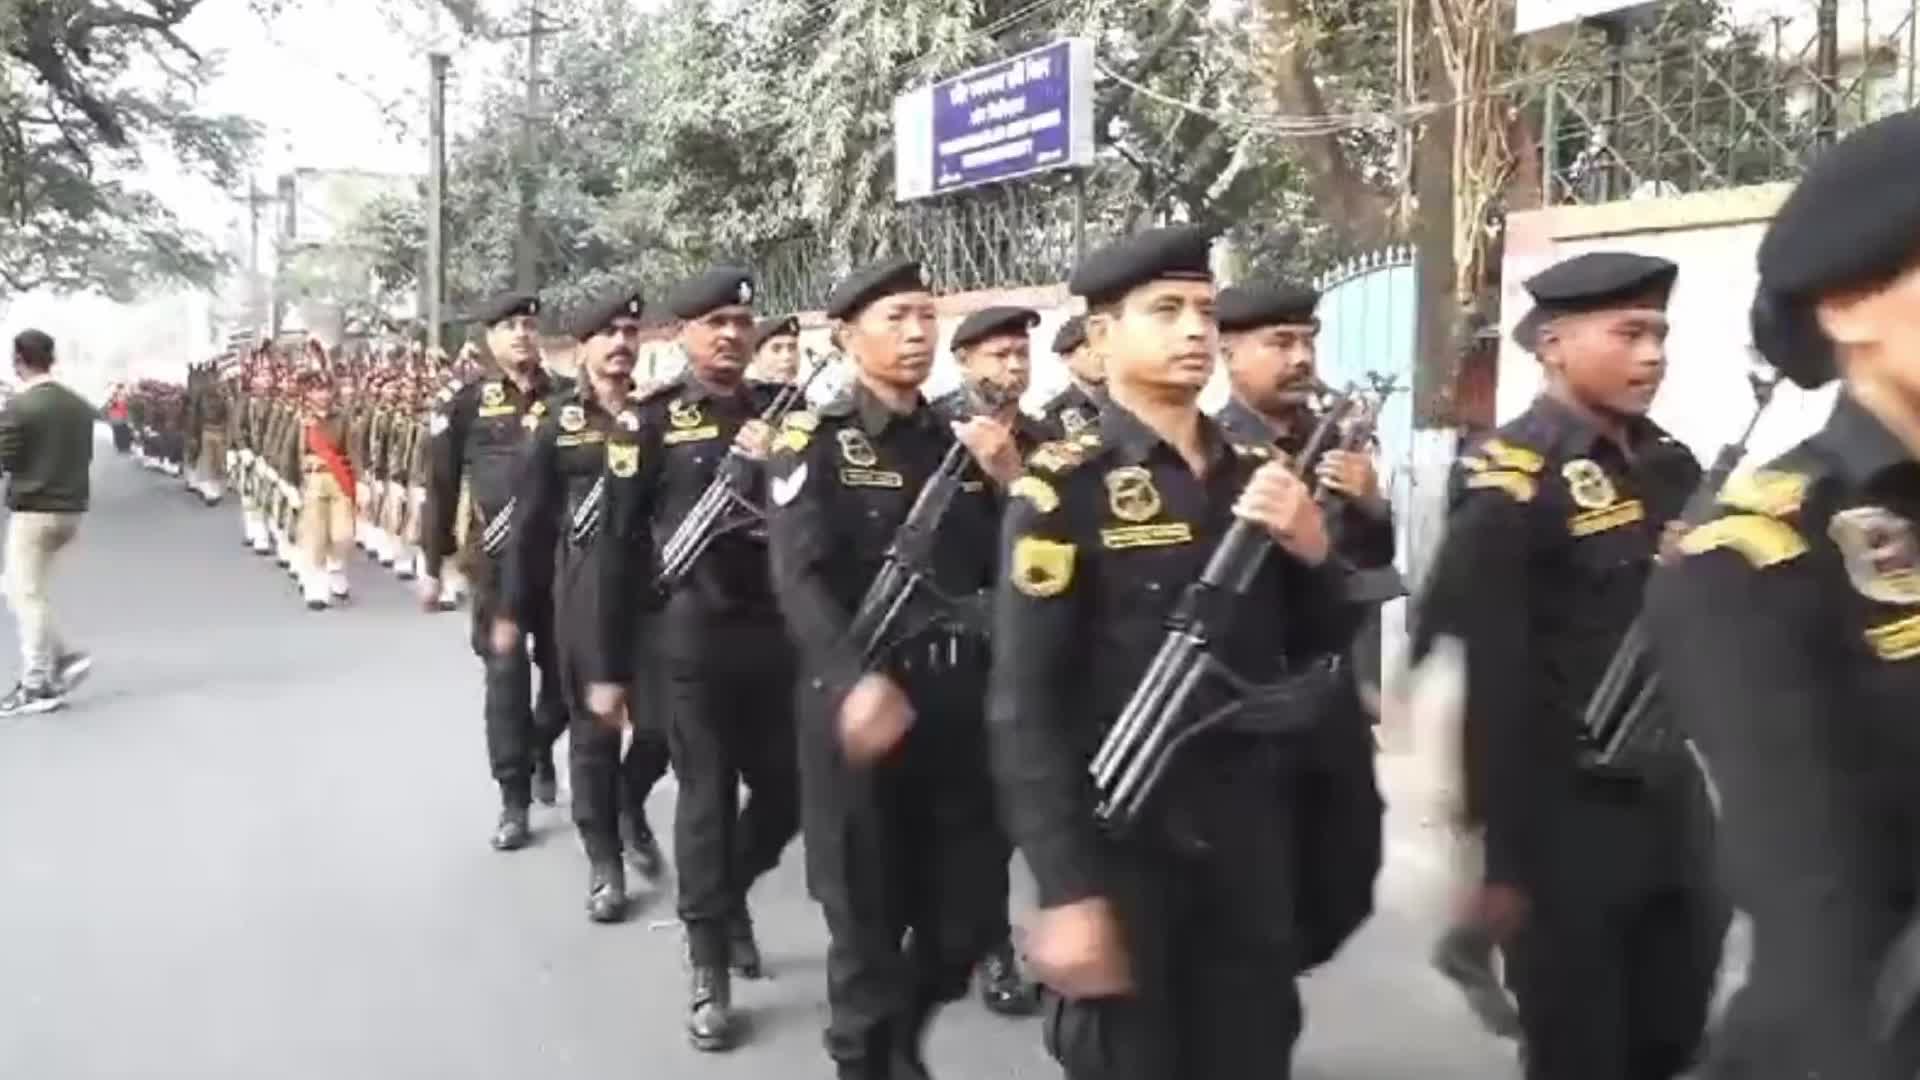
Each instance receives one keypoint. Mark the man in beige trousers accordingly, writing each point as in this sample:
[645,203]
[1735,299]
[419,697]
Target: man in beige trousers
[46,449]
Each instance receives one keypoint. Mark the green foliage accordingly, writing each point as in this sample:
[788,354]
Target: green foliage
[77,122]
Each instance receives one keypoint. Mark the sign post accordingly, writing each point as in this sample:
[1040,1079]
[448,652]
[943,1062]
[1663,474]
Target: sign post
[1027,114]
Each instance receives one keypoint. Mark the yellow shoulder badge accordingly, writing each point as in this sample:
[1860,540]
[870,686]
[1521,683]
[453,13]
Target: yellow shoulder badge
[1518,485]
[796,430]
[1058,456]
[1042,568]
[1763,541]
[1764,491]
[1036,491]
[623,459]
[1508,456]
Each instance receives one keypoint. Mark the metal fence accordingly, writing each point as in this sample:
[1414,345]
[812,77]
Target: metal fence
[1715,95]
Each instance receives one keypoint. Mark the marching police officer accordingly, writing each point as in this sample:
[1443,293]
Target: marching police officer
[903,851]
[562,463]
[1170,946]
[476,437]
[1078,405]
[1789,632]
[1597,880]
[726,667]
[776,351]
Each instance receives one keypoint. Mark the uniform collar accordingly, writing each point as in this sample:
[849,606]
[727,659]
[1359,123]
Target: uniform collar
[1134,442]
[1571,435]
[1243,420]
[1863,445]
[875,417]
[693,389]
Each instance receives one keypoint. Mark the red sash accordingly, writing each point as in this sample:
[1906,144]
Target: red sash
[322,446]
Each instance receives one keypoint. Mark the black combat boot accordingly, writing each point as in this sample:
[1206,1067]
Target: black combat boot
[607,891]
[1003,989]
[642,850]
[743,951]
[546,780]
[513,832]
[710,1008]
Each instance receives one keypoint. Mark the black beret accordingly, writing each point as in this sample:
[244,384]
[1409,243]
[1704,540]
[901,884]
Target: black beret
[1853,219]
[1789,337]
[1595,281]
[1071,335]
[992,322]
[1246,307]
[504,307]
[1179,253]
[864,286]
[599,314]
[785,325]
[722,286]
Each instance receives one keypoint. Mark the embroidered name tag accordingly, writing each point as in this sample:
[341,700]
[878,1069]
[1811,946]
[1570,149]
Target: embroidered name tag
[487,412]
[674,438]
[973,485]
[584,438]
[1898,640]
[878,478]
[1607,517]
[1139,536]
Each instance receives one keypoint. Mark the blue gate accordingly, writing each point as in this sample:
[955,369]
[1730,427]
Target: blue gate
[1368,312]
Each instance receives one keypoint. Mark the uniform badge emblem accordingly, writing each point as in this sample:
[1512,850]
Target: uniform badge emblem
[493,395]
[572,418]
[1131,494]
[855,450]
[623,459]
[746,292]
[1587,483]
[1882,557]
[683,414]
[1072,421]
[1041,568]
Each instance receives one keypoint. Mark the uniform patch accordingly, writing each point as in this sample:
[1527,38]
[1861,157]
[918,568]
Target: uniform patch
[1165,534]
[1883,560]
[1250,450]
[493,395]
[1588,485]
[1764,491]
[1899,640]
[1036,491]
[1508,456]
[1518,485]
[793,439]
[1041,568]
[687,435]
[855,450]
[623,459]
[1606,518]
[800,420]
[878,478]
[531,421]
[1058,456]
[1131,494]
[437,425]
[581,438]
[1763,541]
[572,418]
[683,414]
[785,488]
[488,412]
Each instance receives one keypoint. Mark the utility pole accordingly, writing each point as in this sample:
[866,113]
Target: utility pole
[436,269]
[260,300]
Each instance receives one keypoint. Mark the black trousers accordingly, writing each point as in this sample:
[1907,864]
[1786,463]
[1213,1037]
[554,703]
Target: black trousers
[605,784]
[1615,968]
[729,707]
[907,861]
[520,727]
[1209,931]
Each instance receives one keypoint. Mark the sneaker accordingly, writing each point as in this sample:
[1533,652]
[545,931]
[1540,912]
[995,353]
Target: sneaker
[71,669]
[27,700]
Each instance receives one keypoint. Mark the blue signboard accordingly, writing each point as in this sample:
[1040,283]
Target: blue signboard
[1023,115]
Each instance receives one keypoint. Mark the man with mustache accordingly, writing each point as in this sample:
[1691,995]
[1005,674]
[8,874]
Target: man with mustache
[1597,881]
[727,668]
[903,850]
[476,436]
[563,461]
[1074,408]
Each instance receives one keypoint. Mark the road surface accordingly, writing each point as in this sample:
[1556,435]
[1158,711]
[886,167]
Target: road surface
[256,846]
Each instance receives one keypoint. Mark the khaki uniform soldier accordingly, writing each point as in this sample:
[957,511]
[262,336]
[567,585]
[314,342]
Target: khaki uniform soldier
[327,497]
[358,410]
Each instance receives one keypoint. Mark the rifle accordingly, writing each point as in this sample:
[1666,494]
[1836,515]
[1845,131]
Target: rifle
[1150,731]
[908,568]
[725,496]
[1619,723]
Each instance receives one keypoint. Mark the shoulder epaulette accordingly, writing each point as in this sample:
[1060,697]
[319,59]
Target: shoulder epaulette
[1508,456]
[796,430]
[1516,484]
[1763,541]
[1775,493]
[1061,455]
[644,394]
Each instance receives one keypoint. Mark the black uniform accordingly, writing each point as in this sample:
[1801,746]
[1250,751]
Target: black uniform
[726,666]
[1105,534]
[478,434]
[1364,538]
[1070,412]
[910,844]
[563,461]
[1553,531]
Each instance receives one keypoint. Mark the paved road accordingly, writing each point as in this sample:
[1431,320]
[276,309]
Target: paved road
[256,847]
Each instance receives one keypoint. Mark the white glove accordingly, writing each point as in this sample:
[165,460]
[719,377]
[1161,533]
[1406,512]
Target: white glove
[232,458]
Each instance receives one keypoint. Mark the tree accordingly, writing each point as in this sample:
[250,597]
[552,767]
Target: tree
[77,120]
